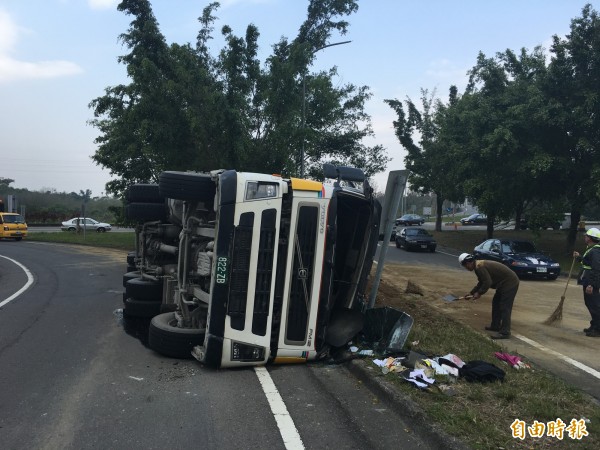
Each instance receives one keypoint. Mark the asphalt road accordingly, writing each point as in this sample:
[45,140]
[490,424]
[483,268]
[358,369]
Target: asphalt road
[75,376]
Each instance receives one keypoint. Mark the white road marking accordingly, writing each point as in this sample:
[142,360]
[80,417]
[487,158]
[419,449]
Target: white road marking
[592,372]
[287,429]
[24,288]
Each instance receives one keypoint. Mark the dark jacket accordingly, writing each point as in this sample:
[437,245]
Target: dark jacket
[492,274]
[591,263]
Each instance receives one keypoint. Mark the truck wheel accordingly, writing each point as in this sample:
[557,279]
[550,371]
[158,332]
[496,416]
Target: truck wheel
[146,212]
[187,186]
[165,338]
[130,276]
[141,289]
[140,308]
[131,259]
[144,193]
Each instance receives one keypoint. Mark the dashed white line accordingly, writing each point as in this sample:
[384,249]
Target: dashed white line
[587,369]
[24,288]
[287,429]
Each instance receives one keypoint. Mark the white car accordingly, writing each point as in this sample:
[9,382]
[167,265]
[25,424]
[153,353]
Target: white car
[87,223]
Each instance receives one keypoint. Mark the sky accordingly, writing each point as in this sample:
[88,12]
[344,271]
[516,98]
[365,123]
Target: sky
[56,56]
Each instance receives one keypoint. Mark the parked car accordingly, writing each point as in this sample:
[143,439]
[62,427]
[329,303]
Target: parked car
[410,219]
[474,219]
[89,224]
[521,256]
[414,238]
[12,226]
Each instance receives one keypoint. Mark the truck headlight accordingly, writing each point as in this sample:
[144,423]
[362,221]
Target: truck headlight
[246,352]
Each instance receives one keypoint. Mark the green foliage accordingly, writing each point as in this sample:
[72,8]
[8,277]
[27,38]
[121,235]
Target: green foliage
[428,158]
[50,207]
[186,109]
[5,182]
[523,139]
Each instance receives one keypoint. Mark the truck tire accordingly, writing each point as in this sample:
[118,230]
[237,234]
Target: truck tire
[130,276]
[144,193]
[146,212]
[165,338]
[140,308]
[141,289]
[131,259]
[187,186]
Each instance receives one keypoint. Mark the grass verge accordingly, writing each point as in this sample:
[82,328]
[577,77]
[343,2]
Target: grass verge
[121,240]
[481,414]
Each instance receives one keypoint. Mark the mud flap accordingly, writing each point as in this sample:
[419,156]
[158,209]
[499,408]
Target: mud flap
[343,326]
[386,329]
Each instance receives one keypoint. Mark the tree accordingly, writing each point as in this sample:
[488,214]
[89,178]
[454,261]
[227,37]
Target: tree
[573,90]
[187,110]
[427,159]
[6,181]
[496,133]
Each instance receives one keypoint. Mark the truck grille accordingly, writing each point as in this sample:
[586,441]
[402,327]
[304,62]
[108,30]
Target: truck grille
[302,273]
[264,271]
[240,269]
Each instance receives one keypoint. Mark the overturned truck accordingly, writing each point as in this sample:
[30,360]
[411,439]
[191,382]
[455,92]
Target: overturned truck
[242,269]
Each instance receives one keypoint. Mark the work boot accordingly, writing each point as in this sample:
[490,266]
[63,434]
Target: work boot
[593,333]
[587,330]
[490,328]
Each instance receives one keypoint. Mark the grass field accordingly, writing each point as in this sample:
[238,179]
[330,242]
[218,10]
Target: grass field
[123,241]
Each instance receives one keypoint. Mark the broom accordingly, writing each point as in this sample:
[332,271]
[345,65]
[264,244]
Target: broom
[556,316]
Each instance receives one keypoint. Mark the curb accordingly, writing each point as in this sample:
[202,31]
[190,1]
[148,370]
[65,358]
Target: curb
[403,406]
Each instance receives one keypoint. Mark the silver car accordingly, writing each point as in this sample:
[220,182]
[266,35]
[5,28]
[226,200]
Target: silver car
[87,223]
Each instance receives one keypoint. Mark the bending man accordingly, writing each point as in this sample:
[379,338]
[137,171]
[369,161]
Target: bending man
[494,275]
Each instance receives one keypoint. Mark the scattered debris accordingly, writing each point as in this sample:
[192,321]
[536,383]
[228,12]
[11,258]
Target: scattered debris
[513,360]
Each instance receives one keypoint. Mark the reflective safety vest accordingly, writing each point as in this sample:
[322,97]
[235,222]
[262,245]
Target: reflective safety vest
[587,250]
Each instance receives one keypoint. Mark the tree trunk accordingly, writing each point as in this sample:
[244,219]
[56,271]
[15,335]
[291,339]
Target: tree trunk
[490,226]
[439,202]
[572,234]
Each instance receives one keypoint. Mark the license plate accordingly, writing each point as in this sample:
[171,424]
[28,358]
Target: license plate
[542,269]
[423,246]
[222,269]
